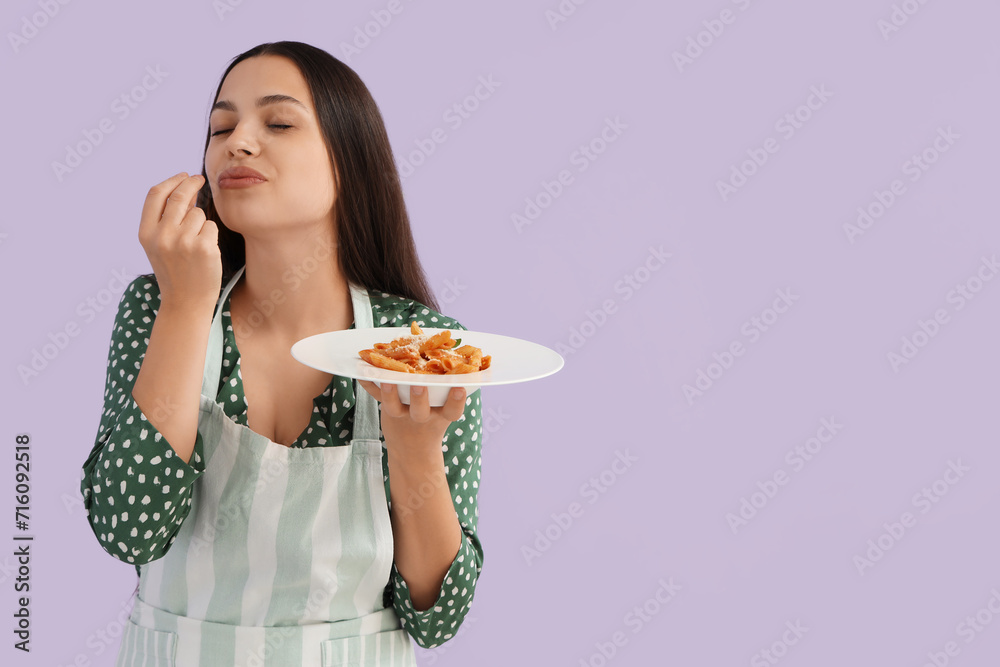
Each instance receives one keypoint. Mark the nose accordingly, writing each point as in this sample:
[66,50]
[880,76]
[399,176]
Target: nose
[239,140]
[233,149]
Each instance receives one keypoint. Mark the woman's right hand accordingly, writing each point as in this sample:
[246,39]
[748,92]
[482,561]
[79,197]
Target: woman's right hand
[182,245]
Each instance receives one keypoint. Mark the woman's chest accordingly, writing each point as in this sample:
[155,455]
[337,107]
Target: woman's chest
[279,391]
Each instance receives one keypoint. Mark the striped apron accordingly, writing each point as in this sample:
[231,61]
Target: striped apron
[284,555]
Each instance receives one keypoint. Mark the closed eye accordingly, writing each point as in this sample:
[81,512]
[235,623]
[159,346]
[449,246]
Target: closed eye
[280,127]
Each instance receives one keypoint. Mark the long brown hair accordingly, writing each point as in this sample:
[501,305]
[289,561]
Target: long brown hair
[375,246]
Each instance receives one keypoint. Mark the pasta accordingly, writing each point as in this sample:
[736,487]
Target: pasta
[429,355]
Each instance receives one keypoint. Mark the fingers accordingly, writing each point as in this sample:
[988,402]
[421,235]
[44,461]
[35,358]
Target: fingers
[192,223]
[454,406]
[152,208]
[172,201]
[391,405]
[419,409]
[210,231]
[420,406]
[182,199]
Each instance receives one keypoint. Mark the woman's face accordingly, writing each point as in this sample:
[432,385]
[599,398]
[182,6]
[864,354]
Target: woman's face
[294,160]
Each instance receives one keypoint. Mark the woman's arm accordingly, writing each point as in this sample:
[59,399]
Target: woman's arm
[433,622]
[168,387]
[443,581]
[136,490]
[434,575]
[426,533]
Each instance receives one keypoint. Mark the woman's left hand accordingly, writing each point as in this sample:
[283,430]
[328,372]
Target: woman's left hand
[415,430]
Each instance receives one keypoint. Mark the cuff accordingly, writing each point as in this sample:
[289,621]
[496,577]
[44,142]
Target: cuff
[439,623]
[137,491]
[133,426]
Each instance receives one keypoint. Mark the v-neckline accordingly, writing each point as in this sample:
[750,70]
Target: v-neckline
[237,373]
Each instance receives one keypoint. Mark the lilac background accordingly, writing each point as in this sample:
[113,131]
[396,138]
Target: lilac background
[665,516]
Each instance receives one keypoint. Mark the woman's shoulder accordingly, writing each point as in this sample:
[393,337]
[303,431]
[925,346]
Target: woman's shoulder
[390,310]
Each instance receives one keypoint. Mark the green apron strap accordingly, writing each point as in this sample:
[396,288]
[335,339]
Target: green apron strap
[213,358]
[366,424]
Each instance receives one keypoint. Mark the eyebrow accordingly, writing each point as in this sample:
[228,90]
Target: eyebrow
[226,105]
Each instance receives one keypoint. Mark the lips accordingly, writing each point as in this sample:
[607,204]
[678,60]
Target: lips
[235,174]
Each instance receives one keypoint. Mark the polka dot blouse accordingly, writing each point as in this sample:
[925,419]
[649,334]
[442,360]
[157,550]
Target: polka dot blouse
[124,527]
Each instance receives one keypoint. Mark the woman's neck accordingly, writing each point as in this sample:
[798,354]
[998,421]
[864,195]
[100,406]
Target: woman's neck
[291,290]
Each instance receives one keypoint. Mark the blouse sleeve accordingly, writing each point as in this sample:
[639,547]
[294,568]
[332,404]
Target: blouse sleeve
[461,446]
[136,490]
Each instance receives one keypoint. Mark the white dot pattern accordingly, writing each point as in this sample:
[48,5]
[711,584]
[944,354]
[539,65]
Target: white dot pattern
[137,492]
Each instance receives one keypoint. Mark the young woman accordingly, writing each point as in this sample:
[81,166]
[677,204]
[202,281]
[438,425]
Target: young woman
[275,515]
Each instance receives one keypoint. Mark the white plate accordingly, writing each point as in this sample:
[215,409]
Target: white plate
[512,360]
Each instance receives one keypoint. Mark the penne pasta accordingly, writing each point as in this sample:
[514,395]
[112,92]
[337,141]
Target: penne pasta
[382,361]
[429,355]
